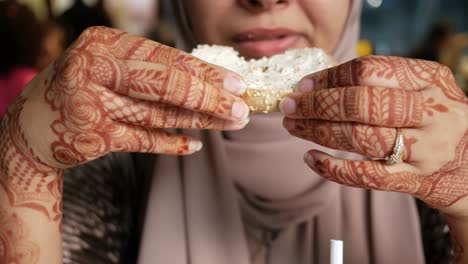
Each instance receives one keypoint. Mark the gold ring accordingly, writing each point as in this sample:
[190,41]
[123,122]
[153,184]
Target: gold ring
[397,154]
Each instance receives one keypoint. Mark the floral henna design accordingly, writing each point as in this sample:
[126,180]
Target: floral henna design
[441,189]
[370,141]
[328,104]
[427,74]
[450,183]
[179,81]
[369,105]
[86,131]
[112,48]
[393,72]
[90,79]
[127,47]
[421,97]
[92,101]
[15,246]
[402,105]
[397,72]
[429,107]
[28,182]
[147,114]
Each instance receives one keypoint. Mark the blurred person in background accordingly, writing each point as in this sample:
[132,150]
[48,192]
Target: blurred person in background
[135,17]
[246,196]
[435,40]
[148,18]
[53,43]
[28,46]
[455,55]
[444,45]
[163,30]
[20,48]
[81,16]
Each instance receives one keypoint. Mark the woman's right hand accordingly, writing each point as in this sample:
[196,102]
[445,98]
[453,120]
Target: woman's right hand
[113,92]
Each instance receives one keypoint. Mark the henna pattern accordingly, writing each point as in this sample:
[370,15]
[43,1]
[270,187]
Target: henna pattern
[441,189]
[109,92]
[147,114]
[421,97]
[429,107]
[396,72]
[370,105]
[359,98]
[27,181]
[14,244]
[369,141]
[89,77]
[177,70]
[86,91]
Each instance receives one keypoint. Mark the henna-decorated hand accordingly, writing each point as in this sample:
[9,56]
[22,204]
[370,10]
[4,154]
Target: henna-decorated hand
[114,92]
[109,92]
[357,106]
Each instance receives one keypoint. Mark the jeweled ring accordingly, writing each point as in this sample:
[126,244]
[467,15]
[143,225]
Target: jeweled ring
[397,154]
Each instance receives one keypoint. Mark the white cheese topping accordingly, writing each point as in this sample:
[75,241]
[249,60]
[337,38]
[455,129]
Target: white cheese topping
[281,71]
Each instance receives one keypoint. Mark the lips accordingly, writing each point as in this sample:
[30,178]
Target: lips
[264,42]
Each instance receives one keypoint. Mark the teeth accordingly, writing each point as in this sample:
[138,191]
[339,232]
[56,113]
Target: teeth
[250,36]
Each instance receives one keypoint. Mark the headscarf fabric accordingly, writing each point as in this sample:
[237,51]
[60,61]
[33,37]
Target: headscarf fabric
[198,213]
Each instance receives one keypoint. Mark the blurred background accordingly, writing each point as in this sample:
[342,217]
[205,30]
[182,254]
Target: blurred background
[427,29]
[434,30]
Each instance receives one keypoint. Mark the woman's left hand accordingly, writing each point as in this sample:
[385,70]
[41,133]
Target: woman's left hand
[360,107]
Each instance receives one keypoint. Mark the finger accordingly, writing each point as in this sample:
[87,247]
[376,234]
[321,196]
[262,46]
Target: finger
[369,141]
[129,138]
[367,174]
[156,82]
[118,45]
[383,71]
[157,115]
[367,105]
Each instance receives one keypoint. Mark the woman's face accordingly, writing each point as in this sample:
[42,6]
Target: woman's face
[260,28]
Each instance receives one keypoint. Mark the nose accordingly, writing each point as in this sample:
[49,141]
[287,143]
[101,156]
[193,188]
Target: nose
[260,5]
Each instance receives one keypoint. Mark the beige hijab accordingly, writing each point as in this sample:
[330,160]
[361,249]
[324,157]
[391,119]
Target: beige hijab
[198,213]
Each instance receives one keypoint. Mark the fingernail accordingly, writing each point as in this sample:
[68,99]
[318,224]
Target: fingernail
[309,159]
[240,111]
[195,146]
[289,124]
[236,125]
[234,85]
[305,86]
[244,122]
[288,106]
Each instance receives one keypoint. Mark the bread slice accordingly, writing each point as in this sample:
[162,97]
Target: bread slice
[268,79]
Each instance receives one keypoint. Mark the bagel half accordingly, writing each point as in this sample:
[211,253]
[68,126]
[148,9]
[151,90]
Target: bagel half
[268,79]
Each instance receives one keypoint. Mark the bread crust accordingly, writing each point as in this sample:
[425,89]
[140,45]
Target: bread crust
[264,93]
[264,101]
[267,101]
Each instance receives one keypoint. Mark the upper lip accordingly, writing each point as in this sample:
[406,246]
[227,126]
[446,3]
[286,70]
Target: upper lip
[258,34]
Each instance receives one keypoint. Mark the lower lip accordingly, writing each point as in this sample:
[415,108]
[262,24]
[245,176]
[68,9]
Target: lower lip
[267,48]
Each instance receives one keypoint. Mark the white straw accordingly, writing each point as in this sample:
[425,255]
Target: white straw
[336,251]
